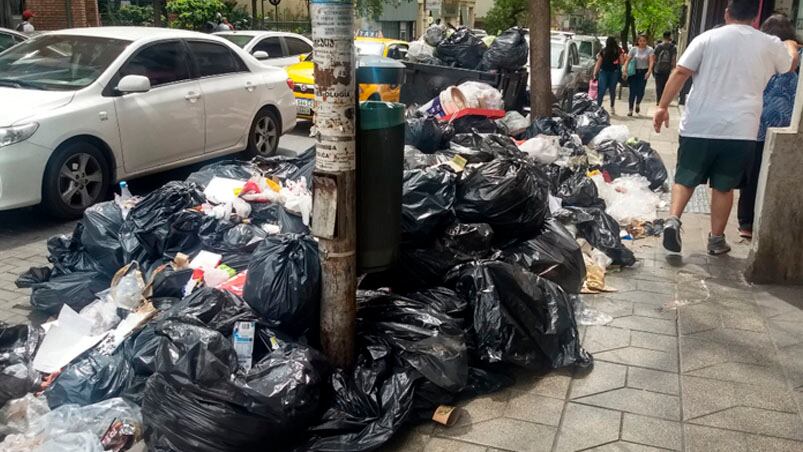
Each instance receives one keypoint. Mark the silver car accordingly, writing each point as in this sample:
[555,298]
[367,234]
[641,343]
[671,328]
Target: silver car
[9,38]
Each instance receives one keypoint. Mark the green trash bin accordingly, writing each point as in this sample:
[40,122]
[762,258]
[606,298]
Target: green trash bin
[380,166]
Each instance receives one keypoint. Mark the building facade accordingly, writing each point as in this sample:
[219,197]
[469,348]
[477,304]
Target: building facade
[58,14]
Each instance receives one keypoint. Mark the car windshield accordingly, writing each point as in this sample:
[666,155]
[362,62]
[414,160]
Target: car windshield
[369,48]
[556,55]
[238,40]
[585,48]
[58,62]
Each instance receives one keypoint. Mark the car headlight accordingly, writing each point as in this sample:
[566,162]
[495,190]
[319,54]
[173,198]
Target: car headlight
[15,134]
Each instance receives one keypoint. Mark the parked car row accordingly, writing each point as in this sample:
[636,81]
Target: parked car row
[95,105]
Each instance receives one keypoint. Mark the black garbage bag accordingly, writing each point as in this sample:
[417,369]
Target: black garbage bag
[33,275]
[18,344]
[479,148]
[216,309]
[148,223]
[370,404]
[101,236]
[415,159]
[200,400]
[427,134]
[591,123]
[284,167]
[553,254]
[520,318]
[139,350]
[428,196]
[68,255]
[574,187]
[231,169]
[76,290]
[90,380]
[467,241]
[235,242]
[168,282]
[509,51]
[654,168]
[289,222]
[474,124]
[461,49]
[619,159]
[556,126]
[509,194]
[183,234]
[582,103]
[284,282]
[434,35]
[600,230]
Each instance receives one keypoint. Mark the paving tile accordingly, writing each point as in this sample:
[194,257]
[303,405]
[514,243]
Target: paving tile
[785,333]
[647,324]
[601,338]
[742,373]
[655,312]
[534,408]
[792,360]
[705,439]
[744,321]
[448,445]
[641,357]
[696,318]
[698,353]
[620,283]
[651,431]
[586,426]
[652,380]
[652,299]
[623,446]
[755,420]
[507,434]
[733,336]
[614,308]
[636,401]
[654,341]
[480,409]
[406,441]
[666,288]
[757,443]
[604,377]
[553,384]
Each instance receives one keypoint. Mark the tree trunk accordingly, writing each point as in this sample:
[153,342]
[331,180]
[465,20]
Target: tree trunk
[253,13]
[540,79]
[157,13]
[628,23]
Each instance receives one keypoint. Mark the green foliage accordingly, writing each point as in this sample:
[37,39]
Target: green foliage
[506,14]
[135,15]
[652,17]
[193,14]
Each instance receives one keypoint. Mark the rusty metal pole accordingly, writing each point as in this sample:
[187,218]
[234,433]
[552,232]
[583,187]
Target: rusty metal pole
[334,197]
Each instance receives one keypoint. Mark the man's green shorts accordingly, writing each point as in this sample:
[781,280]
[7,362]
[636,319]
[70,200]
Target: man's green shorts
[720,162]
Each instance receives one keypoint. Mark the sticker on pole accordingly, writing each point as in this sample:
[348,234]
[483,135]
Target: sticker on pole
[334,154]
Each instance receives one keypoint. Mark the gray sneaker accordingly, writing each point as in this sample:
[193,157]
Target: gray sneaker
[717,245]
[672,241]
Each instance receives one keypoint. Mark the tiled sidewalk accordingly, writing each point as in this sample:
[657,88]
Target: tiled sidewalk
[695,359]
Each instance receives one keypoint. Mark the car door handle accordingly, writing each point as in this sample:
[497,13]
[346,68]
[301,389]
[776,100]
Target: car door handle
[249,87]
[192,96]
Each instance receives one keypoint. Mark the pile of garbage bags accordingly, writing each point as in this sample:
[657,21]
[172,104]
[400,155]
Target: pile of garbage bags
[188,318]
[461,48]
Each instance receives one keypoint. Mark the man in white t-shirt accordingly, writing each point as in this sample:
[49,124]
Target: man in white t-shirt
[730,66]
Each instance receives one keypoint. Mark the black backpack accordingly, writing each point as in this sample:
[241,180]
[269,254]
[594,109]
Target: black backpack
[663,59]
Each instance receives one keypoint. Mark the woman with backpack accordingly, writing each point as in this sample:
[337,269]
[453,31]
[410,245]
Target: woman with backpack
[779,102]
[608,71]
[665,58]
[639,64]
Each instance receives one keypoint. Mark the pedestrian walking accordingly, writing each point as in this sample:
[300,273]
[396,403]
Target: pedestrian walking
[779,101]
[26,26]
[642,59]
[608,71]
[731,66]
[665,58]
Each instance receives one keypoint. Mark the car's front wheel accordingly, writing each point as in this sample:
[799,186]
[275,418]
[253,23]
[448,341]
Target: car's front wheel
[263,139]
[77,176]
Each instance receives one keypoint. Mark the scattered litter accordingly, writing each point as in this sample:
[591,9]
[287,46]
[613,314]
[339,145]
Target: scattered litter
[587,316]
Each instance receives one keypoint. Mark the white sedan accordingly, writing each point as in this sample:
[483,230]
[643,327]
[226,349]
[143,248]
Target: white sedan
[276,48]
[83,108]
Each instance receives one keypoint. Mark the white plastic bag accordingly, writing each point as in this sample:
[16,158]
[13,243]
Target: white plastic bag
[514,122]
[628,198]
[482,95]
[420,51]
[617,133]
[298,199]
[543,149]
[103,315]
[17,415]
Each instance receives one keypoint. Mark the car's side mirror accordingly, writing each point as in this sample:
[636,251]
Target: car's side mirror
[134,84]
[261,55]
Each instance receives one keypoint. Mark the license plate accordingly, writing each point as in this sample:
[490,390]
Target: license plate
[304,106]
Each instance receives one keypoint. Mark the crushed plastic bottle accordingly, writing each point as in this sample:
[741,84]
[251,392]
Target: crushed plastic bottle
[125,199]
